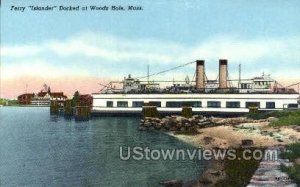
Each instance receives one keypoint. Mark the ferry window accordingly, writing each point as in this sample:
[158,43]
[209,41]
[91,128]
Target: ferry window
[109,104]
[122,104]
[155,103]
[252,104]
[231,104]
[195,104]
[292,105]
[178,104]
[270,104]
[213,104]
[137,103]
[174,104]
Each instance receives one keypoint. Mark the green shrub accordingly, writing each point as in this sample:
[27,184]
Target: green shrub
[292,152]
[287,118]
[293,172]
[239,171]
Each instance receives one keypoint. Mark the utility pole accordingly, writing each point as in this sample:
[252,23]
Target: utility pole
[148,73]
[240,72]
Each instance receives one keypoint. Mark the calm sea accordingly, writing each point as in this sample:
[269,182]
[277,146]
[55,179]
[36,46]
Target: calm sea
[37,149]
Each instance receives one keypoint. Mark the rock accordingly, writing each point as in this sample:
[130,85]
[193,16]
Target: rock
[297,128]
[220,121]
[147,124]
[202,120]
[271,119]
[179,125]
[193,129]
[196,116]
[214,172]
[142,128]
[208,140]
[157,126]
[172,183]
[173,129]
[171,123]
[182,129]
[297,161]
[205,123]
[264,133]
[167,127]
[247,142]
[187,125]
[205,181]
[194,122]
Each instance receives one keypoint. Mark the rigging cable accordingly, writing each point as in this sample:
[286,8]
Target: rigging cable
[161,72]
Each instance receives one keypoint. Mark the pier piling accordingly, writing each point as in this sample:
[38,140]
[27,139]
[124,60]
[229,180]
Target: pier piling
[253,109]
[82,113]
[150,111]
[54,107]
[187,112]
[68,110]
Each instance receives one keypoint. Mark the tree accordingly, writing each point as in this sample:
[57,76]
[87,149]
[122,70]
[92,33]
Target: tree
[76,98]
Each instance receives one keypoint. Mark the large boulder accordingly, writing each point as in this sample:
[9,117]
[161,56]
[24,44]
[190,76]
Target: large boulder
[157,126]
[271,119]
[247,142]
[172,183]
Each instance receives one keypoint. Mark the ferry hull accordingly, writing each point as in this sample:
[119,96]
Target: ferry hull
[124,104]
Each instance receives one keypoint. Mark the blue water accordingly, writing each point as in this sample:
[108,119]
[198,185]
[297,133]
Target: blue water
[37,149]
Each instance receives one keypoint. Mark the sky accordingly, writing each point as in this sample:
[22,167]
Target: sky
[76,50]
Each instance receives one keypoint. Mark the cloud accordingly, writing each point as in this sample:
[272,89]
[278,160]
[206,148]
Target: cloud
[116,53]
[102,55]
[109,48]
[20,51]
[239,50]
[38,68]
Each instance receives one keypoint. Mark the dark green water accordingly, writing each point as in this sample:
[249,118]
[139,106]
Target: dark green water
[37,149]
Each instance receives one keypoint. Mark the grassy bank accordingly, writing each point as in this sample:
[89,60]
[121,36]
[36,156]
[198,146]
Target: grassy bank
[239,171]
[292,153]
[285,117]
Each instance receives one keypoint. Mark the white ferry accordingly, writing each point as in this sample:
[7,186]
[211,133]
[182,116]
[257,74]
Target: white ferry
[205,96]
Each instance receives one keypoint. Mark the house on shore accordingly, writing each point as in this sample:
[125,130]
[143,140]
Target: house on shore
[25,99]
[42,98]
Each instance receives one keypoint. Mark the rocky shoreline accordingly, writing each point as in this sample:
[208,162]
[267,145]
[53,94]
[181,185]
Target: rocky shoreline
[220,133]
[181,124]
